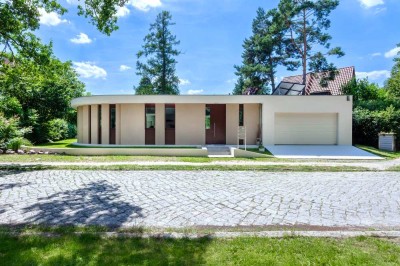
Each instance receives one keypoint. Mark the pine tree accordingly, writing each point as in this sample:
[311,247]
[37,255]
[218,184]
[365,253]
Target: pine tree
[306,22]
[263,52]
[239,86]
[158,72]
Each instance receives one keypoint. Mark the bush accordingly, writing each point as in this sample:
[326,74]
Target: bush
[10,132]
[368,124]
[57,129]
[16,143]
[72,131]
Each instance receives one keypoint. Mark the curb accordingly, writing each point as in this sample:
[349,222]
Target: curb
[216,235]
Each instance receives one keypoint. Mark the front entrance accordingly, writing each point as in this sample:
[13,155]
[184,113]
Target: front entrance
[215,124]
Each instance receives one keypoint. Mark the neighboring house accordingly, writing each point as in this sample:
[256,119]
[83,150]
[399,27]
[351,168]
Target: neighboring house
[203,120]
[293,85]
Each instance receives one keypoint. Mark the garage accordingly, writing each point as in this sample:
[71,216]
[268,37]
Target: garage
[306,128]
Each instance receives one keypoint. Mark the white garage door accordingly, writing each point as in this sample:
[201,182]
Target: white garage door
[306,128]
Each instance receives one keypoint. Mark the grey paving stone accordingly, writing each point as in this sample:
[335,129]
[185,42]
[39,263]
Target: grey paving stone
[209,198]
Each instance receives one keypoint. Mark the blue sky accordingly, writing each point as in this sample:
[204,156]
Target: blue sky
[211,35]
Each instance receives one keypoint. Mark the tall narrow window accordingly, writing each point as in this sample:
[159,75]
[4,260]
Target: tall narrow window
[99,124]
[112,124]
[90,124]
[208,117]
[170,116]
[150,124]
[150,116]
[170,124]
[241,115]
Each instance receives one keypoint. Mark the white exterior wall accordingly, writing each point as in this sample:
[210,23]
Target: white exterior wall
[190,115]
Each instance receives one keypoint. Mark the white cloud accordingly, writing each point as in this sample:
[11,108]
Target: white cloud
[89,70]
[373,75]
[122,11]
[81,38]
[194,92]
[184,82]
[392,53]
[124,68]
[145,5]
[376,54]
[50,19]
[371,3]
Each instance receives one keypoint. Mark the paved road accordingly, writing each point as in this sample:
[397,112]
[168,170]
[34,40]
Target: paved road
[180,199]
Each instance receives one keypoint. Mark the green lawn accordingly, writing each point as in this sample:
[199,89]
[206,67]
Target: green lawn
[384,154]
[89,249]
[66,143]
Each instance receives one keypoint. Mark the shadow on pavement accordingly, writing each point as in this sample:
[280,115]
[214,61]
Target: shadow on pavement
[98,203]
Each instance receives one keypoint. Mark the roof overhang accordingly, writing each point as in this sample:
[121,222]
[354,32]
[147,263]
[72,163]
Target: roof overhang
[173,99]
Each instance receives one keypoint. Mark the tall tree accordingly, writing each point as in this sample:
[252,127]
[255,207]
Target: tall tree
[239,86]
[393,83]
[39,93]
[263,52]
[20,18]
[306,23]
[159,49]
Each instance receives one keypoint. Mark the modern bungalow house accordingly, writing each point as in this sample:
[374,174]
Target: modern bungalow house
[209,120]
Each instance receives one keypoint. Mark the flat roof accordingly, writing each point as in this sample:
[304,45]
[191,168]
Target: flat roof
[176,99]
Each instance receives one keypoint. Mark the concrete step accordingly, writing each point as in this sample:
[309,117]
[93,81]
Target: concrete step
[219,151]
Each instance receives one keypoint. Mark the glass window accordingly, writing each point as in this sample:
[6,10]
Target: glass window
[241,115]
[150,116]
[208,117]
[170,116]
[99,123]
[112,117]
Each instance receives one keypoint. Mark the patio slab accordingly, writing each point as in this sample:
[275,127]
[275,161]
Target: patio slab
[338,152]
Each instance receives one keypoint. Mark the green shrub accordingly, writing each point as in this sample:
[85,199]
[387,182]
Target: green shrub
[57,129]
[72,132]
[368,124]
[10,132]
[16,143]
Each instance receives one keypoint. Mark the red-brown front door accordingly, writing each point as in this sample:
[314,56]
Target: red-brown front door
[215,124]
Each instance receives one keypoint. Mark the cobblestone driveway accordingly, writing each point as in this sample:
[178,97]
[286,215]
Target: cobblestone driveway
[180,199]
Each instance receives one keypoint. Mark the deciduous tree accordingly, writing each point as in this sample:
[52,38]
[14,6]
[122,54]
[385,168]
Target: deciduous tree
[393,83]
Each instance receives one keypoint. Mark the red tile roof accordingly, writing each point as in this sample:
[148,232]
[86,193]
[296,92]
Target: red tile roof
[313,85]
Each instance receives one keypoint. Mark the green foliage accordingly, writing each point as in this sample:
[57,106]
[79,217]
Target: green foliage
[362,90]
[368,124]
[57,129]
[305,23]
[393,83]
[10,106]
[158,72]
[16,143]
[72,131]
[239,86]
[20,18]
[42,92]
[263,52]
[10,132]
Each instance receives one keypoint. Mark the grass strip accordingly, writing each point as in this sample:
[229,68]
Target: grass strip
[92,249]
[381,153]
[265,168]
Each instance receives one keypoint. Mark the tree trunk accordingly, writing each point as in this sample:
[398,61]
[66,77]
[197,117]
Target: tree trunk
[304,56]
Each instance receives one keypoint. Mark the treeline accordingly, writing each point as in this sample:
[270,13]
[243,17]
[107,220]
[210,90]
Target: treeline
[35,87]
[376,109]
